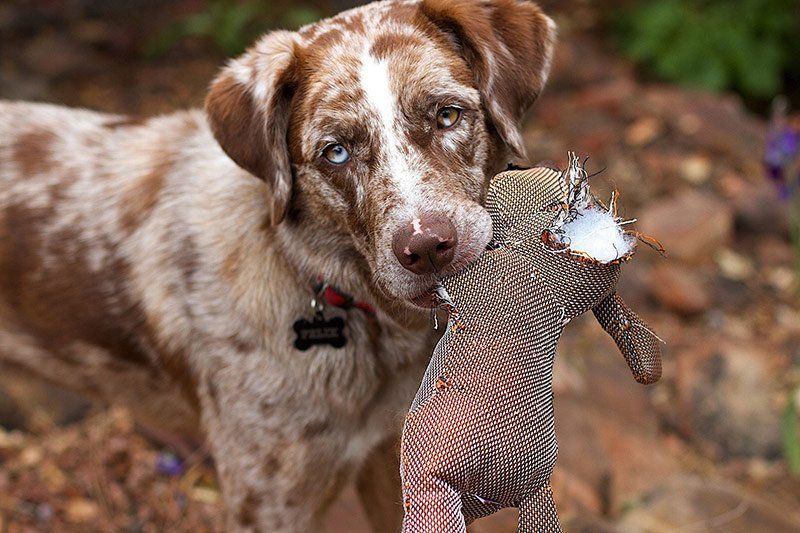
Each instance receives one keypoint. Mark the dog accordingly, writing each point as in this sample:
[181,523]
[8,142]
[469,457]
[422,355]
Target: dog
[171,264]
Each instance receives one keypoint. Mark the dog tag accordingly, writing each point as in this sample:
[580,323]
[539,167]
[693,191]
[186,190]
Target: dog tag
[319,331]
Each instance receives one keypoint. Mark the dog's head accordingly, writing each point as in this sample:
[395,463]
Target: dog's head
[381,126]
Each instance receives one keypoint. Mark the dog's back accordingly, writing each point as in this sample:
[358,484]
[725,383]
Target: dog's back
[75,187]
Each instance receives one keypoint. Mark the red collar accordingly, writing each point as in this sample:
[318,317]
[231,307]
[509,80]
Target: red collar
[337,298]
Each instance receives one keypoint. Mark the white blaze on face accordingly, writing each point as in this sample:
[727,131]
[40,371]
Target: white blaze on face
[374,80]
[417,225]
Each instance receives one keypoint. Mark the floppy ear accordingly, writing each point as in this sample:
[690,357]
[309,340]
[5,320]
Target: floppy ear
[248,109]
[508,44]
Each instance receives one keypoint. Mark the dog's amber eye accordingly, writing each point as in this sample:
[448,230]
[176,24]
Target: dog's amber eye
[336,154]
[448,117]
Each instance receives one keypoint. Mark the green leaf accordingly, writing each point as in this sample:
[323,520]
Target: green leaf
[300,16]
[791,437]
[744,45]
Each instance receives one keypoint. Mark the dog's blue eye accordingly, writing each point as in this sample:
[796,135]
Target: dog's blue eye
[447,117]
[336,154]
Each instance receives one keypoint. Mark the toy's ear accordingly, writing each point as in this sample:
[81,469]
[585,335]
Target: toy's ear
[637,342]
[248,109]
[508,45]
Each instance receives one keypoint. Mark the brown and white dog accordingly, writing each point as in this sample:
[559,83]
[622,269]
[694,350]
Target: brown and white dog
[162,263]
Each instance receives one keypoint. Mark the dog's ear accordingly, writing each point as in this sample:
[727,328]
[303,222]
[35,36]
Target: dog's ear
[508,44]
[248,110]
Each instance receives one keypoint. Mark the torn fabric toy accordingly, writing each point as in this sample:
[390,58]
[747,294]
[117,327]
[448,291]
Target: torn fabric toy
[480,433]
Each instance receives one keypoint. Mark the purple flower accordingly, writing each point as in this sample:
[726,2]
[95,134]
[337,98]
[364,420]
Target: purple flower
[782,152]
[783,147]
[169,464]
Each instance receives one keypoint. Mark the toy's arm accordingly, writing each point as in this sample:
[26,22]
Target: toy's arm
[637,342]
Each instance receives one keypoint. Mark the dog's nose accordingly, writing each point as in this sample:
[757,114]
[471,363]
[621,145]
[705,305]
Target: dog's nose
[425,245]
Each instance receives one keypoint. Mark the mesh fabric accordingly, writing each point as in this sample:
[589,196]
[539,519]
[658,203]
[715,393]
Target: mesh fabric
[480,433]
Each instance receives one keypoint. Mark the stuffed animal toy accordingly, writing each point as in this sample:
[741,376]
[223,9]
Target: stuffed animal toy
[480,432]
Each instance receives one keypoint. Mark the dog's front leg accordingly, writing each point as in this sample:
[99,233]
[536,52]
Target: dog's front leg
[279,465]
[378,485]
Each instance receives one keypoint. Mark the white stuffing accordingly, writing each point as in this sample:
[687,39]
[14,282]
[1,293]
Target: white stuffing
[595,233]
[585,227]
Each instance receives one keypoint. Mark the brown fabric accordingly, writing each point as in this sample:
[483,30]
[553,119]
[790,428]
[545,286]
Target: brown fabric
[480,433]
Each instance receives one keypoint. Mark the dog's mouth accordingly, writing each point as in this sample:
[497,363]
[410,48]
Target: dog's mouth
[419,289]
[426,299]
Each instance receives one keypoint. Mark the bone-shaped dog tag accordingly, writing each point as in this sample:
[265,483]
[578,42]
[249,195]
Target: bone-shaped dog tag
[319,331]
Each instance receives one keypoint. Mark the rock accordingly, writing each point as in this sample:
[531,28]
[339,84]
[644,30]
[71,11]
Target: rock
[773,250]
[79,510]
[611,95]
[759,210]
[782,279]
[643,131]
[579,63]
[40,403]
[634,285]
[585,522]
[660,170]
[732,296]
[679,288]
[788,318]
[503,521]
[17,85]
[584,470]
[711,121]
[689,123]
[691,225]
[610,438]
[54,55]
[734,266]
[696,169]
[11,416]
[31,456]
[689,503]
[730,184]
[726,397]
[7,19]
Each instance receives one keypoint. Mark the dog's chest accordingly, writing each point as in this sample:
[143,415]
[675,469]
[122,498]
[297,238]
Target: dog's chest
[359,361]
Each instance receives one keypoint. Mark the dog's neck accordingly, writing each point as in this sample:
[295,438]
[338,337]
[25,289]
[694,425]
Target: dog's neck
[341,265]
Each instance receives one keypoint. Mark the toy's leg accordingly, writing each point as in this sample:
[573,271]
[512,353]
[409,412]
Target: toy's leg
[433,507]
[537,513]
[634,338]
[473,507]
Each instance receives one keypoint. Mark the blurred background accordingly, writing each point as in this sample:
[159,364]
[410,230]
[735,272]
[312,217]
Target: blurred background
[686,103]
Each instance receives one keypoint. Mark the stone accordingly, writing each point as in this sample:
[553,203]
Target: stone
[611,95]
[691,225]
[643,131]
[679,288]
[79,510]
[36,401]
[55,55]
[782,279]
[691,503]
[775,251]
[734,266]
[11,416]
[696,169]
[716,123]
[725,397]
[759,210]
